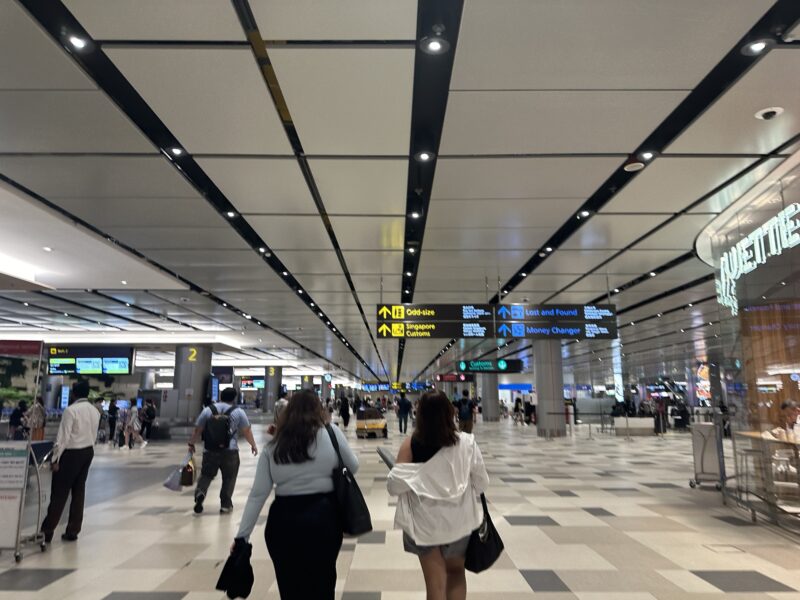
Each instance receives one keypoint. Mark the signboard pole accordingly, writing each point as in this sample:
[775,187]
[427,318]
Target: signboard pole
[13,482]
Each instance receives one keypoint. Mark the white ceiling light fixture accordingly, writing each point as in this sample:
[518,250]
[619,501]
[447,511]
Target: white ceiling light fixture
[584,214]
[47,248]
[408,273]
[230,214]
[312,304]
[128,304]
[435,44]
[757,47]
[225,304]
[523,274]
[424,156]
[285,273]
[652,273]
[633,166]
[123,282]
[415,215]
[616,290]
[26,304]
[262,250]
[411,250]
[769,113]
[176,151]
[77,42]
[548,249]
[647,155]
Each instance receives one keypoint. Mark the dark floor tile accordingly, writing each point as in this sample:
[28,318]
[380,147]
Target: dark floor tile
[348,547]
[373,537]
[30,580]
[145,596]
[537,521]
[565,493]
[155,510]
[544,581]
[515,465]
[598,512]
[361,596]
[730,520]
[742,581]
[557,476]
[661,486]
[516,479]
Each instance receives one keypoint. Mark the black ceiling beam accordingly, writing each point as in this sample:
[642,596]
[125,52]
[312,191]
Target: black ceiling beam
[60,24]
[776,21]
[59,312]
[58,298]
[432,73]
[142,309]
[275,92]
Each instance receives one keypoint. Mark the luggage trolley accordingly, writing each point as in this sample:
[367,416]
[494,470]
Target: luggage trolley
[705,449]
[22,462]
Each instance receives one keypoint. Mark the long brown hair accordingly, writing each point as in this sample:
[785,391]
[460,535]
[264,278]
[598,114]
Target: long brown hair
[297,428]
[436,425]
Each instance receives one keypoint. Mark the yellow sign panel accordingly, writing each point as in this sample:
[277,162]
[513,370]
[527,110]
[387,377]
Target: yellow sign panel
[272,371]
[192,355]
[398,329]
[398,312]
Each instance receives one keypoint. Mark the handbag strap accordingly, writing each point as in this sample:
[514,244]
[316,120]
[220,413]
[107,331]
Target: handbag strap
[335,443]
[485,506]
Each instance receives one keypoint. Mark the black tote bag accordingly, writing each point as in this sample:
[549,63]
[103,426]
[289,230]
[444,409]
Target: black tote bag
[485,545]
[352,506]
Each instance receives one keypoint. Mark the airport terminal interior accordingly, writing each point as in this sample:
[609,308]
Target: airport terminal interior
[582,215]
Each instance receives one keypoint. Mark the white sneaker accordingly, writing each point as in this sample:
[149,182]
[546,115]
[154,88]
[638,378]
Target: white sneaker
[144,444]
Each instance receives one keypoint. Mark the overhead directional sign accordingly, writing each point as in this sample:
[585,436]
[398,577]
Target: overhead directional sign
[500,365]
[531,321]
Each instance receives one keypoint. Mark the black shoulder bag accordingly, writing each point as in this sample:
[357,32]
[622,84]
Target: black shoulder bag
[485,545]
[352,506]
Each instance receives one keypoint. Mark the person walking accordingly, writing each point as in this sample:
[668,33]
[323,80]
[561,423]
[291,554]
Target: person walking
[72,457]
[36,417]
[438,477]
[304,530]
[133,427]
[403,410]
[466,412]
[16,422]
[218,425]
[113,412]
[147,416]
[344,411]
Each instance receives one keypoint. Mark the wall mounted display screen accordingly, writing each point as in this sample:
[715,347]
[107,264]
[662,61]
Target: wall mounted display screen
[89,360]
[252,383]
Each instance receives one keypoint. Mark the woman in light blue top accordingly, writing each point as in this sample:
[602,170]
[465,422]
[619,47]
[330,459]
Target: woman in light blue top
[303,527]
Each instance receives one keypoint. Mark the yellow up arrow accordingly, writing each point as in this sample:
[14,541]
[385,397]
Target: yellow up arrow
[384,312]
[384,330]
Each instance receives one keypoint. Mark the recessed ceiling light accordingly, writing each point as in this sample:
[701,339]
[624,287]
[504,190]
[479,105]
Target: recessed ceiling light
[690,305]
[408,273]
[407,291]
[683,331]
[230,214]
[327,322]
[260,340]
[123,282]
[312,304]
[415,215]
[262,250]
[127,304]
[633,166]
[334,329]
[711,322]
[584,213]
[767,114]
[66,314]
[47,249]
[285,273]
[783,283]
[548,249]
[659,315]
[763,297]
[647,155]
[542,254]
[632,323]
[616,290]
[523,274]
[77,42]
[320,314]
[26,304]
[411,250]
[435,44]
[176,151]
[424,156]
[756,47]
[652,273]
[299,291]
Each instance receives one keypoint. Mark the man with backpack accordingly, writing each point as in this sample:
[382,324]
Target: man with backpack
[219,424]
[466,412]
[147,416]
[403,410]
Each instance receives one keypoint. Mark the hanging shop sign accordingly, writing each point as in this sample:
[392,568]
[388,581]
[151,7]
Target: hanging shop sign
[772,239]
[500,365]
[455,378]
[529,321]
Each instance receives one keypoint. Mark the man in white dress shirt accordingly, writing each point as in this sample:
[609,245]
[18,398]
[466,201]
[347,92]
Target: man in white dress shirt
[72,456]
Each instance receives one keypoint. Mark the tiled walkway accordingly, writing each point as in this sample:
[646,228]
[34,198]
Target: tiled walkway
[587,519]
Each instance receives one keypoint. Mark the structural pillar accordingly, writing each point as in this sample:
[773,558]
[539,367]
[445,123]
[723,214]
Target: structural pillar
[325,388]
[549,381]
[148,379]
[490,396]
[192,370]
[272,388]
[307,382]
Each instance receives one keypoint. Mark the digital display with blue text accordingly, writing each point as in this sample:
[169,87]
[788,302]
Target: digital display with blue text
[89,360]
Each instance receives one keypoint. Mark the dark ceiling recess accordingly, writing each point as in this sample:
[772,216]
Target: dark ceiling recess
[432,74]
[259,48]
[59,22]
[774,23]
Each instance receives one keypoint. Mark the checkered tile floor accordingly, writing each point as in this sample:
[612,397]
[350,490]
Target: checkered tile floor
[581,518]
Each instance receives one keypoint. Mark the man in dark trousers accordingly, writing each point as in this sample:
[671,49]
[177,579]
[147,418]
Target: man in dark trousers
[403,410]
[466,412]
[147,416]
[72,456]
[221,420]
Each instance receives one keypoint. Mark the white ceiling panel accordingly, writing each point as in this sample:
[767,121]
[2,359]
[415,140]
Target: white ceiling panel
[678,235]
[674,47]
[362,186]
[501,213]
[729,126]
[157,19]
[526,297]
[97,176]
[220,237]
[428,283]
[317,284]
[310,261]
[519,122]
[143,212]
[724,198]
[282,232]
[595,284]
[607,232]
[448,297]
[352,101]
[669,185]
[638,262]
[340,20]
[364,262]
[482,238]
[218,258]
[687,271]
[571,298]
[213,100]
[66,121]
[572,261]
[261,185]
[374,283]
[543,177]
[369,233]
[477,258]
[30,60]
[493,273]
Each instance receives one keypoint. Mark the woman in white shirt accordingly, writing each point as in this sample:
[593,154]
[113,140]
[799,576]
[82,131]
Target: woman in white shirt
[304,531]
[439,477]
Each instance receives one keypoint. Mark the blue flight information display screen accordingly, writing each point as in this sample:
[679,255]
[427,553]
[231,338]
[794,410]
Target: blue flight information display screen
[89,360]
[528,321]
